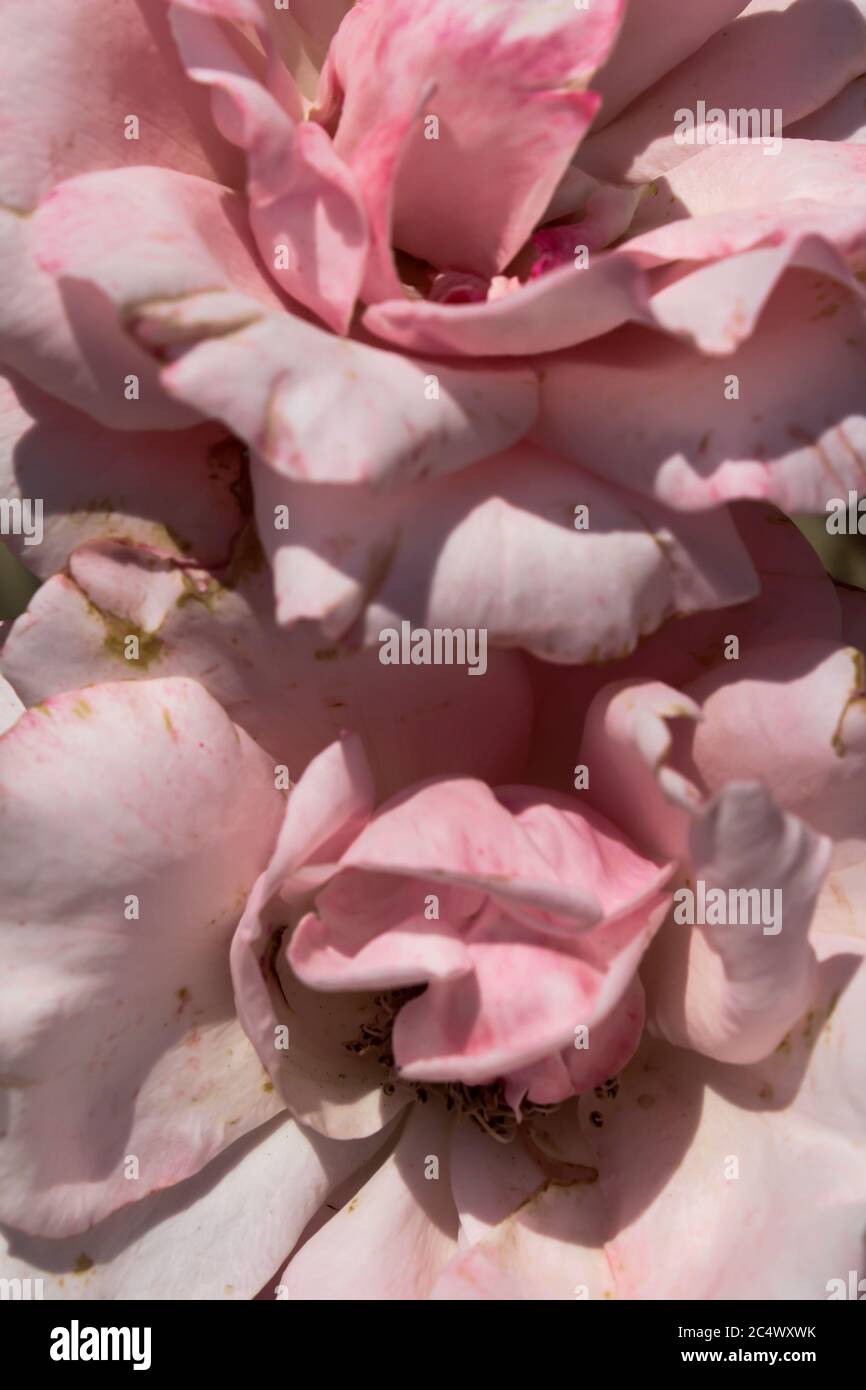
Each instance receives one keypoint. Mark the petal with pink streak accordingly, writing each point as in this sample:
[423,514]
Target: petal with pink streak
[153,1062]
[393,1238]
[525,999]
[731,991]
[305,209]
[468,198]
[200,1239]
[541,857]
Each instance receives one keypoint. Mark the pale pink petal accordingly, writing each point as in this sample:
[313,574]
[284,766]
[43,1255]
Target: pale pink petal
[539,855]
[796,600]
[752,1174]
[754,62]
[489,1180]
[725,205]
[10,706]
[627,746]
[203,1238]
[66,339]
[291,692]
[151,1061]
[654,416]
[809,749]
[94,67]
[151,235]
[656,36]
[303,1039]
[566,307]
[393,1238]
[633,565]
[177,491]
[573,1071]
[311,405]
[381,940]
[843,118]
[732,991]
[114,241]
[536,1225]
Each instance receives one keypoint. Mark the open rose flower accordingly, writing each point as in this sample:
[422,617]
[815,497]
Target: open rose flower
[329,978]
[374,1005]
[355,236]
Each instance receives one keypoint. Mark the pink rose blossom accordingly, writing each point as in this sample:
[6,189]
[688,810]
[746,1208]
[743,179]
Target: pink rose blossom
[328,978]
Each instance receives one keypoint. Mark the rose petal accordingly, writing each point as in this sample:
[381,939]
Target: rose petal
[196,1240]
[632,564]
[152,1063]
[392,1239]
[732,991]
[467,199]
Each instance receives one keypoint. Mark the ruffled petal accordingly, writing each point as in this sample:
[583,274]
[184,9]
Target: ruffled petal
[781,418]
[731,990]
[633,564]
[508,91]
[289,691]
